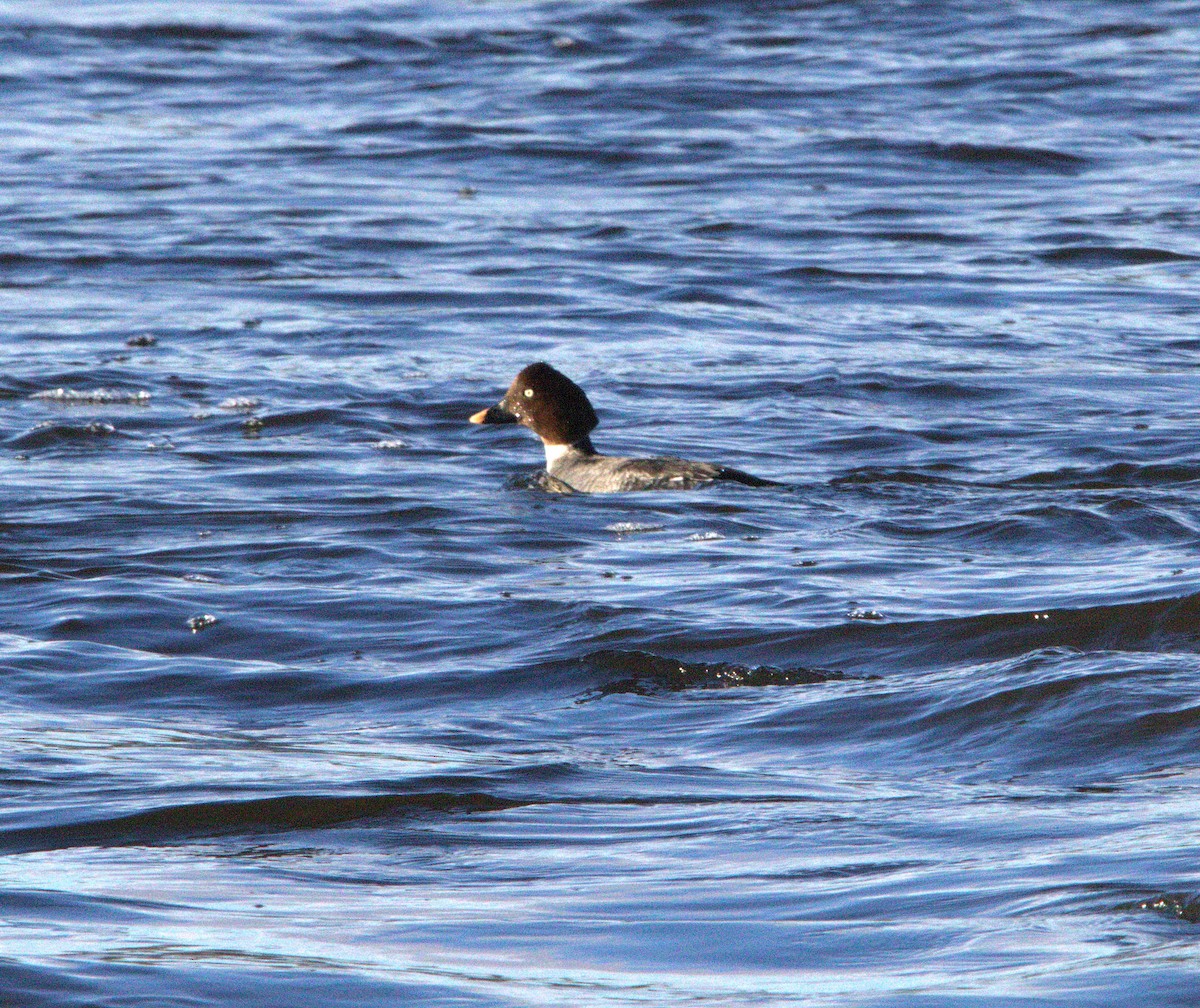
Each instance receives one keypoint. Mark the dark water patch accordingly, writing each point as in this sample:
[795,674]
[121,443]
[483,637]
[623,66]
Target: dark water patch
[873,475]
[116,261]
[1131,29]
[152,182]
[340,36]
[147,79]
[696,179]
[440,131]
[925,389]
[1156,725]
[869,442]
[829,275]
[1109,255]
[1028,81]
[722,229]
[696,294]
[882,213]
[313,418]
[871,385]
[173,33]
[1180,906]
[438,297]
[604,157]
[1119,475]
[60,435]
[771,41]
[371,243]
[608,232]
[1008,158]
[376,127]
[317,153]
[138,213]
[354,64]
[17,259]
[923,237]
[261,816]
[565,93]
[987,156]
[647,674]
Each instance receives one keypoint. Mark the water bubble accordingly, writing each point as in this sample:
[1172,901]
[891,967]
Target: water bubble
[239,403]
[101,395]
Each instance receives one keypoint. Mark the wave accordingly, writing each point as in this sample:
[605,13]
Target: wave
[1006,157]
[997,157]
[1122,30]
[173,32]
[90,397]
[1181,906]
[259,815]
[653,658]
[858,647]
[96,260]
[646,674]
[830,275]
[1038,528]
[1162,626]
[58,435]
[1112,255]
[878,475]
[1116,476]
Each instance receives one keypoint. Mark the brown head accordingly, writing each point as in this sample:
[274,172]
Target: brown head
[548,403]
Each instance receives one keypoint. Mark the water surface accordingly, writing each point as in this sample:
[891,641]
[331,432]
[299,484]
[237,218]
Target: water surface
[310,698]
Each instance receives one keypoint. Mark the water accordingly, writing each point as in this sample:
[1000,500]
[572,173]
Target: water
[309,699]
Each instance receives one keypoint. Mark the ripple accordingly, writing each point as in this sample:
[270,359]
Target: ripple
[1115,476]
[1182,906]
[995,157]
[72,397]
[283,813]
[933,265]
[1109,255]
[53,435]
[647,674]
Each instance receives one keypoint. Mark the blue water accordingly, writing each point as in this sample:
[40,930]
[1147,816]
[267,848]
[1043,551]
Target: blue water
[309,697]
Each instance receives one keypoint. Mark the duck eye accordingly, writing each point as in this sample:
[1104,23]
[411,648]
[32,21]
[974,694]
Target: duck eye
[529,393]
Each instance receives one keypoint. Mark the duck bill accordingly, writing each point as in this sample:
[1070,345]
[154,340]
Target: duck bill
[495,415]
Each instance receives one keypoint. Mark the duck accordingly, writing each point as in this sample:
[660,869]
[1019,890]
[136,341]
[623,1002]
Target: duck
[558,411]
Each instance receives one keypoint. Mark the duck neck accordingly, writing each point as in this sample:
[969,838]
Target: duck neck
[556,451]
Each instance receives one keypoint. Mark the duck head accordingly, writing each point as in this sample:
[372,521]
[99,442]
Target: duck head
[548,403]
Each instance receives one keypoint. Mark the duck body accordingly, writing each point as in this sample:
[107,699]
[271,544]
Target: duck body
[558,411]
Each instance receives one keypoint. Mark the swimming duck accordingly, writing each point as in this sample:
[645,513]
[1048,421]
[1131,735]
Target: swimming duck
[557,411]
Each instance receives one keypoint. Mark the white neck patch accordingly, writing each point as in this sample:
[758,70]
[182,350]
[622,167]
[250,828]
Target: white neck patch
[554,452]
